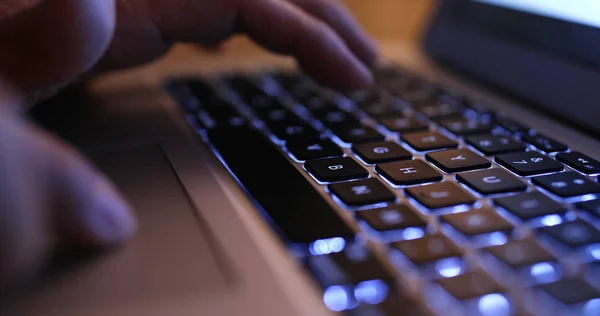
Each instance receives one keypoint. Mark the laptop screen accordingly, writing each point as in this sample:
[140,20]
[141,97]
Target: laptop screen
[586,12]
[566,29]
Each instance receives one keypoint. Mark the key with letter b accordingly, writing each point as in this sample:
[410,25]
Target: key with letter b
[336,169]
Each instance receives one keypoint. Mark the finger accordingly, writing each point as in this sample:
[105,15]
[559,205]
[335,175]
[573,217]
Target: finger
[50,196]
[284,28]
[342,21]
[54,41]
[89,211]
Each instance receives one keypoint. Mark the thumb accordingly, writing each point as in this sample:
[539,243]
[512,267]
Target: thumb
[54,41]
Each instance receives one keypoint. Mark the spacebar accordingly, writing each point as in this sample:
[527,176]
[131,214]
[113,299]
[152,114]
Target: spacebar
[291,203]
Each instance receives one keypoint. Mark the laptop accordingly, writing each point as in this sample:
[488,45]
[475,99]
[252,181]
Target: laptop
[464,182]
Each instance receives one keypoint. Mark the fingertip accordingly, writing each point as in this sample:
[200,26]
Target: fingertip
[369,52]
[110,221]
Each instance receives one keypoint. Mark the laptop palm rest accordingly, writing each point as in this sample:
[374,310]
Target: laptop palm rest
[172,256]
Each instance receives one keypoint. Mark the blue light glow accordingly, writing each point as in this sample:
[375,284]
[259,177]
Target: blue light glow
[494,305]
[594,251]
[371,292]
[412,233]
[551,220]
[497,239]
[544,272]
[449,267]
[327,246]
[592,307]
[337,298]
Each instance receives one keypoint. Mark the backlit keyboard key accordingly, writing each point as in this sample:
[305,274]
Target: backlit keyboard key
[289,130]
[530,205]
[521,253]
[477,221]
[336,169]
[409,172]
[580,162]
[428,249]
[357,134]
[592,206]
[492,181]
[457,160]
[512,126]
[424,141]
[391,218]
[402,124]
[573,234]
[494,145]
[470,285]
[313,149]
[439,108]
[351,266]
[567,184]
[544,143]
[379,152]
[571,291]
[362,192]
[439,195]
[529,163]
[461,126]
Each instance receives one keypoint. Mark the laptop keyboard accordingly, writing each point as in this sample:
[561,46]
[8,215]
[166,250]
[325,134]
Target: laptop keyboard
[406,199]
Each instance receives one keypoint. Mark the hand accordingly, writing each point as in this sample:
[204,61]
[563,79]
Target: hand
[59,39]
[50,195]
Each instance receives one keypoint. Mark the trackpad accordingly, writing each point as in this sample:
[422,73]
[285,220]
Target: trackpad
[172,255]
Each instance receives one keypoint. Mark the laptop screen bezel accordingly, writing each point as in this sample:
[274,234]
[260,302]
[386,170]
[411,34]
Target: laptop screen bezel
[503,47]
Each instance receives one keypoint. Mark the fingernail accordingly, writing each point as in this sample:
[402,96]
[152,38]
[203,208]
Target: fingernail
[111,220]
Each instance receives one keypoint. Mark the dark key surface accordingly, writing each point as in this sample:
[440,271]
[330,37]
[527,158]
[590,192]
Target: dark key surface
[336,169]
[428,249]
[545,143]
[357,134]
[529,163]
[492,181]
[580,162]
[439,108]
[297,210]
[391,218]
[477,221]
[438,195]
[391,306]
[493,144]
[470,285]
[530,205]
[351,266]
[571,291]
[403,124]
[424,141]
[573,234]
[276,115]
[521,253]
[379,152]
[409,172]
[457,160]
[567,184]
[289,130]
[512,126]
[313,149]
[463,126]
[334,117]
[362,192]
[592,206]
[225,116]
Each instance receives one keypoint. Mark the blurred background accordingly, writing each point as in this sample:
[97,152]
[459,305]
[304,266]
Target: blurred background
[386,20]
[393,19]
